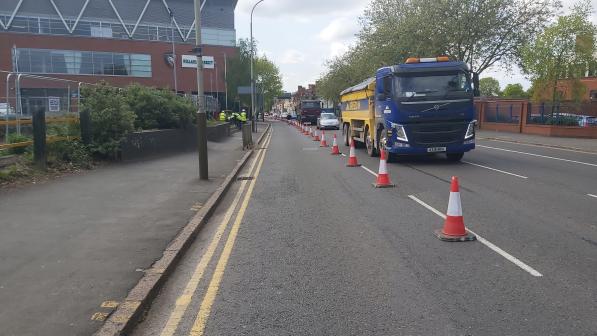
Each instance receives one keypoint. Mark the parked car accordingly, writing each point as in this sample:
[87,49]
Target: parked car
[5,109]
[585,121]
[328,121]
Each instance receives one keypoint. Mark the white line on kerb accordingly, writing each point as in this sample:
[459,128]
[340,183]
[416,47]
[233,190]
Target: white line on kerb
[497,170]
[342,154]
[485,242]
[591,195]
[370,171]
[538,155]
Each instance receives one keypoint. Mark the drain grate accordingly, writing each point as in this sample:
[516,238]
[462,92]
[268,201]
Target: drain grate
[245,178]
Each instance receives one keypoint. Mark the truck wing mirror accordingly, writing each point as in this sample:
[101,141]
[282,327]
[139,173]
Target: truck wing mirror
[476,91]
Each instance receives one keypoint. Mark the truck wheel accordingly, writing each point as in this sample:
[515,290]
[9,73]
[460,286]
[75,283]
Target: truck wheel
[454,157]
[369,144]
[346,132]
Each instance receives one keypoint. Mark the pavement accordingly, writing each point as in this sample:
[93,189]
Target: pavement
[307,246]
[72,248]
[580,144]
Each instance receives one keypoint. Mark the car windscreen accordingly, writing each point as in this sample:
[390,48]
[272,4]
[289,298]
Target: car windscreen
[328,116]
[314,104]
[420,86]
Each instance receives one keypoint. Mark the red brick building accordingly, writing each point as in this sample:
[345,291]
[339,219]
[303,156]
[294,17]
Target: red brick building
[117,41]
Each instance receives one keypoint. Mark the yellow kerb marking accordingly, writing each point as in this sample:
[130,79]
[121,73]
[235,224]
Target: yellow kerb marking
[214,285]
[183,301]
[99,316]
[109,304]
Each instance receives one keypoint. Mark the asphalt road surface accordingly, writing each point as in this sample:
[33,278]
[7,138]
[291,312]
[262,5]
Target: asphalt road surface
[309,247]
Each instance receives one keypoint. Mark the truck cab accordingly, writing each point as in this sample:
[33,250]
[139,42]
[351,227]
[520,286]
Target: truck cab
[427,107]
[309,111]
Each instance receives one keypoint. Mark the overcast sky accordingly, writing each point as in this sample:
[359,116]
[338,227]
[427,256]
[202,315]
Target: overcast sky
[299,36]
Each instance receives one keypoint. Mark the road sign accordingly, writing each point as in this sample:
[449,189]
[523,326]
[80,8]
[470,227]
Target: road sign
[53,104]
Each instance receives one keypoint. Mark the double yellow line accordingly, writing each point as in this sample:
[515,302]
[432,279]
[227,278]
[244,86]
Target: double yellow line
[184,300]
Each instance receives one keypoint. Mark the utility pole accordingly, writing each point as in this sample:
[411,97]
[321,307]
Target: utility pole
[226,78]
[201,116]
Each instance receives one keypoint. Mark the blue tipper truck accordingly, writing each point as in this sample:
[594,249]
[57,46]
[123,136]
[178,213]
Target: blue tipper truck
[424,106]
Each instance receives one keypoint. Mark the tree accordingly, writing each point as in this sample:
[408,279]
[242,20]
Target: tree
[514,91]
[268,80]
[489,87]
[267,75]
[565,50]
[478,32]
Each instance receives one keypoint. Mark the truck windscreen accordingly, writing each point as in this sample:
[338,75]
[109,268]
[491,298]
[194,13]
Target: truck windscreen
[417,86]
[311,105]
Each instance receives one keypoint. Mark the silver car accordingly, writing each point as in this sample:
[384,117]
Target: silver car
[328,121]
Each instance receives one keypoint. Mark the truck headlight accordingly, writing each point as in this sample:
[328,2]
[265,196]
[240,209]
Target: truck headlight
[470,131]
[400,132]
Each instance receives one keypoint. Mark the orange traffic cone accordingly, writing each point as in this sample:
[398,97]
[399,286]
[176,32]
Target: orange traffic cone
[335,149]
[454,230]
[316,136]
[383,178]
[306,132]
[323,143]
[352,158]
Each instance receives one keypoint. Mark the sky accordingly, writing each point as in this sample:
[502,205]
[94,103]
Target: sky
[300,35]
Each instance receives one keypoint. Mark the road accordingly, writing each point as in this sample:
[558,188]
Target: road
[309,247]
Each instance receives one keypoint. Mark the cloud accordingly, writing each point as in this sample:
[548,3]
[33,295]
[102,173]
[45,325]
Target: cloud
[340,29]
[338,49]
[292,56]
[303,8]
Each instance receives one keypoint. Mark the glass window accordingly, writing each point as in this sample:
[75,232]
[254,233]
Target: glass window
[44,26]
[86,67]
[83,29]
[83,62]
[57,27]
[19,24]
[436,85]
[23,60]
[57,61]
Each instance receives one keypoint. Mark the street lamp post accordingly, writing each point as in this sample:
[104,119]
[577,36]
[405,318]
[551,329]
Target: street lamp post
[253,115]
[201,116]
[173,51]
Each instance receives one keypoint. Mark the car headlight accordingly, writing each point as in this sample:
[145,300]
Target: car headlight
[400,132]
[470,131]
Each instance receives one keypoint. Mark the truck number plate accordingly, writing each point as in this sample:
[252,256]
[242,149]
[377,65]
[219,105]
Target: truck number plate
[436,149]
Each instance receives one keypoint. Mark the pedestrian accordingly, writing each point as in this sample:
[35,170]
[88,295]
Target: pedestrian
[223,116]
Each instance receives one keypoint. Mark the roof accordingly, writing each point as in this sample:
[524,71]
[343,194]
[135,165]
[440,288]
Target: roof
[359,87]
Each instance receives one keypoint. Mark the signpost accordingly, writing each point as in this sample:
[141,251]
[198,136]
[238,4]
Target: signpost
[53,104]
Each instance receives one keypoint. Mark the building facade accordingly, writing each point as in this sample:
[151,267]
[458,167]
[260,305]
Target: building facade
[117,41]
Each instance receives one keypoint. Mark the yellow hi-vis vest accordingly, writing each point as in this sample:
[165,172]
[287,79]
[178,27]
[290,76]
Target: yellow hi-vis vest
[243,117]
[222,116]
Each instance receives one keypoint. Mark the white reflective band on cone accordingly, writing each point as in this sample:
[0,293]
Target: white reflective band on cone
[382,167]
[454,205]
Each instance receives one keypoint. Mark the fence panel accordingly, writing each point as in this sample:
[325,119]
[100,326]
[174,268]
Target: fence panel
[563,114]
[503,112]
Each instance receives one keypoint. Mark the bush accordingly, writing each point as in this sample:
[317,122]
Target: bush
[111,118]
[158,109]
[16,138]
[72,152]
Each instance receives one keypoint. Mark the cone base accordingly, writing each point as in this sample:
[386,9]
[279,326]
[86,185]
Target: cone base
[316,139]
[324,146]
[353,165]
[377,185]
[444,237]
[335,154]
